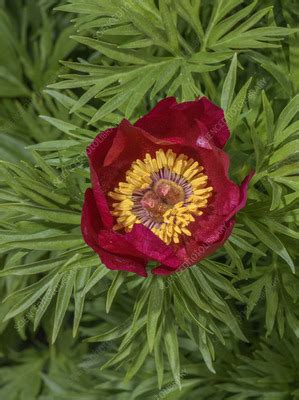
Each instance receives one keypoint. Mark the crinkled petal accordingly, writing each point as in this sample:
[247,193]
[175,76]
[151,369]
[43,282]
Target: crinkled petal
[126,253]
[172,119]
[123,263]
[151,246]
[197,251]
[115,252]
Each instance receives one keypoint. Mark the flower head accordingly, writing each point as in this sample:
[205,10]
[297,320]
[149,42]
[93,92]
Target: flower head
[160,189]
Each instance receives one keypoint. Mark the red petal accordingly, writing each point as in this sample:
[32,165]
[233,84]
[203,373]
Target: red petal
[115,252]
[151,246]
[196,252]
[190,120]
[121,263]
[91,222]
[226,194]
[124,252]
[128,144]
[243,191]
[96,153]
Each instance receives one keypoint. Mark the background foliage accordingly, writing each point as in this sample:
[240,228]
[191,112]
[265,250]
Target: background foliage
[72,329]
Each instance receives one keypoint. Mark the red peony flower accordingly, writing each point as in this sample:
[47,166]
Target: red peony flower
[161,190]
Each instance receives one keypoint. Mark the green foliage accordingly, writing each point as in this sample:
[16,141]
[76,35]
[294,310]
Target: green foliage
[32,43]
[70,328]
[138,39]
[23,380]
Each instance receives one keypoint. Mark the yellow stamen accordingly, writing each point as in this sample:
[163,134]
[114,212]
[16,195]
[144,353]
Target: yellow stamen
[174,217]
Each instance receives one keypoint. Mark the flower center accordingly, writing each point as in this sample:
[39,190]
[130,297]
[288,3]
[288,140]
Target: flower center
[162,193]
[161,197]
